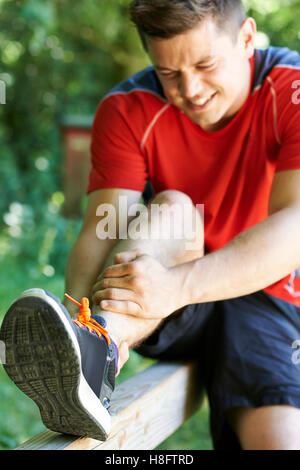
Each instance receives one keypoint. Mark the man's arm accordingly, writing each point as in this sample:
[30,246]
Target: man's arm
[256,258]
[89,253]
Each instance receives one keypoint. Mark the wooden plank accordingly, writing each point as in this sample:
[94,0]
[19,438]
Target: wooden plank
[145,409]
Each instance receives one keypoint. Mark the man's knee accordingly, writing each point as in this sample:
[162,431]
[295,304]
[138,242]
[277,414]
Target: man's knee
[175,217]
[176,208]
[172,197]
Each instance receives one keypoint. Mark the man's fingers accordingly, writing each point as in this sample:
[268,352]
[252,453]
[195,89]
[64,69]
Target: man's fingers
[114,282]
[129,283]
[124,307]
[127,263]
[126,256]
[113,293]
[117,270]
[119,259]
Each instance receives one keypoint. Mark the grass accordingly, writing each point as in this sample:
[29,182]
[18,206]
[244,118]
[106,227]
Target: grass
[19,416]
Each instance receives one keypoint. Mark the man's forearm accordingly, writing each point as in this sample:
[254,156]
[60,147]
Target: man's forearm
[255,259]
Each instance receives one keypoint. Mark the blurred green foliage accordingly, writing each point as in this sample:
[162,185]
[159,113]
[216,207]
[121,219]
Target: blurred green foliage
[57,58]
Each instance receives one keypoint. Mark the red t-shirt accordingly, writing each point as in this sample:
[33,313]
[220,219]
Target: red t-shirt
[137,135]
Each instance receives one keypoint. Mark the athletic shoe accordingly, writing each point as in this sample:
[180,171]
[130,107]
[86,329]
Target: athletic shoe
[66,366]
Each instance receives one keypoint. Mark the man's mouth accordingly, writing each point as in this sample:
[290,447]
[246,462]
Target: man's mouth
[202,102]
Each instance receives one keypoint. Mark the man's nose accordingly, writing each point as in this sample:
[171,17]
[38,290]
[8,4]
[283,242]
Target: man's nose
[190,86]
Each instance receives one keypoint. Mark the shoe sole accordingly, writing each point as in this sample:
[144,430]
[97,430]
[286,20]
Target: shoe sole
[43,359]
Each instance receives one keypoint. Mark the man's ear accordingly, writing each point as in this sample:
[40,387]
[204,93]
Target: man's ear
[246,37]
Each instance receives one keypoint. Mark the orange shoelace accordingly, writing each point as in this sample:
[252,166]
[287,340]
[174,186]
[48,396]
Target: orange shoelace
[84,318]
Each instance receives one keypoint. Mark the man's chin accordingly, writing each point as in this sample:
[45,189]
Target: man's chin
[206,124]
[207,121]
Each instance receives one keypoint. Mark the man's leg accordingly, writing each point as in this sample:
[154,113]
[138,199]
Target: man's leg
[267,427]
[176,207]
[68,367]
[253,384]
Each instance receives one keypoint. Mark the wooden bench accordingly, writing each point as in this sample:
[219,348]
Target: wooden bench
[145,409]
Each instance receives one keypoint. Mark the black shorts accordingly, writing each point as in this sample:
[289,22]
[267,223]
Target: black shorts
[245,354]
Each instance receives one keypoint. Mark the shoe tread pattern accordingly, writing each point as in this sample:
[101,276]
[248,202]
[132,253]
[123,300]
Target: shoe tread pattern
[42,361]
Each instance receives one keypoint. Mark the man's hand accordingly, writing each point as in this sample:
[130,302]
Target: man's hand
[138,285]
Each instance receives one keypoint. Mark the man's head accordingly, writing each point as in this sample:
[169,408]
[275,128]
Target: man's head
[167,18]
[200,50]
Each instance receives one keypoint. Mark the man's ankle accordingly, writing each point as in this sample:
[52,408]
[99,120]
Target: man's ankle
[123,355]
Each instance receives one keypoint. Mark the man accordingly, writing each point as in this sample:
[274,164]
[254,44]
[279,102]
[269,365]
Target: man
[213,122]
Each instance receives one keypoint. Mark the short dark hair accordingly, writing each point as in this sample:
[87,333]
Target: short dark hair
[164,19]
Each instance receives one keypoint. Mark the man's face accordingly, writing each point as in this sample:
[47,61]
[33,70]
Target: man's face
[204,72]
